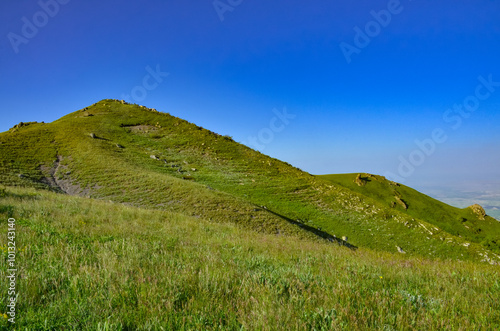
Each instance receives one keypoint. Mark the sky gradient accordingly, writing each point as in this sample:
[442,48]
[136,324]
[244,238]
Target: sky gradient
[296,80]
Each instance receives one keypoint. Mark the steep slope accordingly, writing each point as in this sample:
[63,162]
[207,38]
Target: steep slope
[134,155]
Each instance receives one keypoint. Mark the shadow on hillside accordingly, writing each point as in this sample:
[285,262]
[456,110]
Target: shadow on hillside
[317,232]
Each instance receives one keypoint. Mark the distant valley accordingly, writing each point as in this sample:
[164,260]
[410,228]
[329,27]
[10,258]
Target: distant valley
[487,194]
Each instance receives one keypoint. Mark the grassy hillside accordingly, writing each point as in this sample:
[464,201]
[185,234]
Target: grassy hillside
[140,157]
[86,264]
[459,222]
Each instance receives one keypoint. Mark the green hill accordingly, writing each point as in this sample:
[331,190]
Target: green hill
[86,264]
[131,219]
[470,223]
[133,155]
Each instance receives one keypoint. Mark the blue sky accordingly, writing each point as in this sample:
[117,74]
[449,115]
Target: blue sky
[233,66]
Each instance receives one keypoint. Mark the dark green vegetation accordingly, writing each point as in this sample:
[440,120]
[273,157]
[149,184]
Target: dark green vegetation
[227,236]
[86,264]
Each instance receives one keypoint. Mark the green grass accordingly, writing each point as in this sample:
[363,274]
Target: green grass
[230,183]
[86,264]
[455,221]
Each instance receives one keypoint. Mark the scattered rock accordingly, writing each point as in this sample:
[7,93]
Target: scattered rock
[344,238]
[22,124]
[400,250]
[154,157]
[21,176]
[193,169]
[119,146]
[93,136]
[479,211]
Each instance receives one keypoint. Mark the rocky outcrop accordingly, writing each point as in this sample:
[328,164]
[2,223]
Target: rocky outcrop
[23,124]
[479,211]
[360,181]
[401,202]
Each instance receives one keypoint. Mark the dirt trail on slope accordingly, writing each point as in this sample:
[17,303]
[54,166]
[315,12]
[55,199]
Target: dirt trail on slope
[58,178]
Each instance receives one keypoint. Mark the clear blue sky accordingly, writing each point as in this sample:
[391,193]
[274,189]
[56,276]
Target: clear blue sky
[359,100]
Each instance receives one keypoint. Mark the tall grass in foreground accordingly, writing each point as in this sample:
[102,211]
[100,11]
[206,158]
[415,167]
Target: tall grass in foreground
[91,265]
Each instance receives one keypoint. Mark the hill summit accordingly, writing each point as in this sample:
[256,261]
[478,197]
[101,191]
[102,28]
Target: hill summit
[134,155]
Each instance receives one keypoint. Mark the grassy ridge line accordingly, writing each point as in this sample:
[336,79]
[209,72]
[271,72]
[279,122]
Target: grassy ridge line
[88,264]
[455,221]
[108,173]
[282,188]
[379,228]
[229,180]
